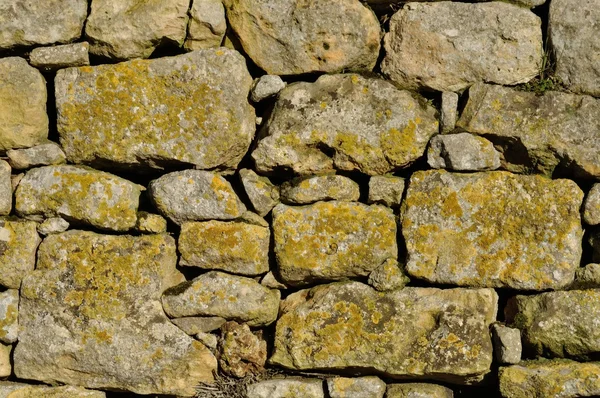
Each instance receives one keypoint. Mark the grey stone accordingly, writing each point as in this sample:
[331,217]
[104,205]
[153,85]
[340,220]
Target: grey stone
[345,122]
[58,57]
[290,387]
[591,206]
[19,241]
[262,193]
[242,352]
[386,190]
[587,277]
[194,325]
[148,223]
[15,179]
[462,152]
[388,276]
[53,225]
[20,390]
[385,4]
[5,363]
[306,190]
[252,218]
[449,111]
[193,195]
[418,390]
[6,191]
[507,344]
[356,387]
[208,339]
[271,281]
[40,155]
[207,25]
[9,316]
[265,87]
[448,46]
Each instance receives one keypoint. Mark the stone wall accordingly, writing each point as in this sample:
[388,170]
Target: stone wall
[299,198]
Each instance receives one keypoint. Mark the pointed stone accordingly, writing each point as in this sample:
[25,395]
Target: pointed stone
[207,25]
[263,194]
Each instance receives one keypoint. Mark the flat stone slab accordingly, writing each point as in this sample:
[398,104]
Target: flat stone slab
[356,387]
[20,390]
[493,229]
[58,57]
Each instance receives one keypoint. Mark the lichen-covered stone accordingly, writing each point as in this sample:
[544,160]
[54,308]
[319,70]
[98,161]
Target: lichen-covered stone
[557,379]
[290,387]
[242,353]
[234,247]
[345,122]
[507,344]
[53,225]
[193,325]
[5,362]
[90,315]
[193,195]
[332,240]
[448,46]
[124,29]
[208,339]
[272,282]
[40,155]
[448,114]
[18,244]
[6,191]
[148,223]
[385,4]
[58,57]
[207,25]
[218,294]
[493,229]
[287,37]
[462,152]
[356,387]
[23,118]
[263,194]
[9,316]
[79,194]
[538,133]
[418,390]
[187,109]
[265,87]
[587,277]
[319,188]
[20,390]
[386,190]
[591,206]
[388,276]
[28,23]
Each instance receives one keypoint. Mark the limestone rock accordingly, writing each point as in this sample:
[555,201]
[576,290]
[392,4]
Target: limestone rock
[358,387]
[262,193]
[192,195]
[493,229]
[90,315]
[290,387]
[265,87]
[5,363]
[408,333]
[386,190]
[462,152]
[6,190]
[40,155]
[251,218]
[18,244]
[573,32]
[345,122]
[418,390]
[148,223]
[187,109]
[124,29]
[9,314]
[318,188]
[208,339]
[448,46]
[194,325]
[28,23]
[272,282]
[53,225]
[587,277]
[19,390]
[223,295]
[79,194]
[449,112]
[23,118]
[207,25]
[288,37]
[332,240]
[234,247]
[385,4]
[538,132]
[543,378]
[58,57]
[507,344]
[591,206]
[242,352]
[388,276]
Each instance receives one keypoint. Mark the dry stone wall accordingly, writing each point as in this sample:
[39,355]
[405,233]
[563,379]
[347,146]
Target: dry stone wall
[299,198]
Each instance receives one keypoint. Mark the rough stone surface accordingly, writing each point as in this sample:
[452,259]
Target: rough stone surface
[462,152]
[192,195]
[345,122]
[538,132]
[58,57]
[6,190]
[447,46]
[557,379]
[208,339]
[194,325]
[332,240]
[574,32]
[386,190]
[242,352]
[418,390]
[385,4]
[124,29]
[20,390]
[18,242]
[587,277]
[234,247]
[27,23]
[187,109]
[507,344]
[90,315]
[448,115]
[53,225]
[292,387]
[207,25]
[272,282]
[359,387]
[388,276]
[265,87]
[5,363]
[437,334]
[9,314]
[591,206]
[23,118]
[287,37]
[40,155]
[319,188]
[148,223]
[493,229]
[223,295]
[262,193]
[79,195]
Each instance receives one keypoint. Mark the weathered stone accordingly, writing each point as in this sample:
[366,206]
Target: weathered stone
[9,314]
[251,218]
[58,57]
[208,339]
[573,32]
[591,206]
[90,315]
[587,277]
[538,132]
[28,23]
[207,25]
[418,390]
[448,115]
[507,344]
[15,179]
[188,109]
[19,390]
[272,282]
[195,325]
[6,190]
[23,118]
[388,276]
[5,363]
[448,46]
[148,223]
[358,387]
[124,29]
[305,190]
[407,333]
[223,295]
[557,379]
[79,194]
[493,229]
[40,155]
[265,87]
[288,37]
[385,4]
[242,353]
[332,240]
[18,244]
[290,387]
[262,193]
[462,152]
[53,225]
[315,127]
[192,195]
[386,190]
